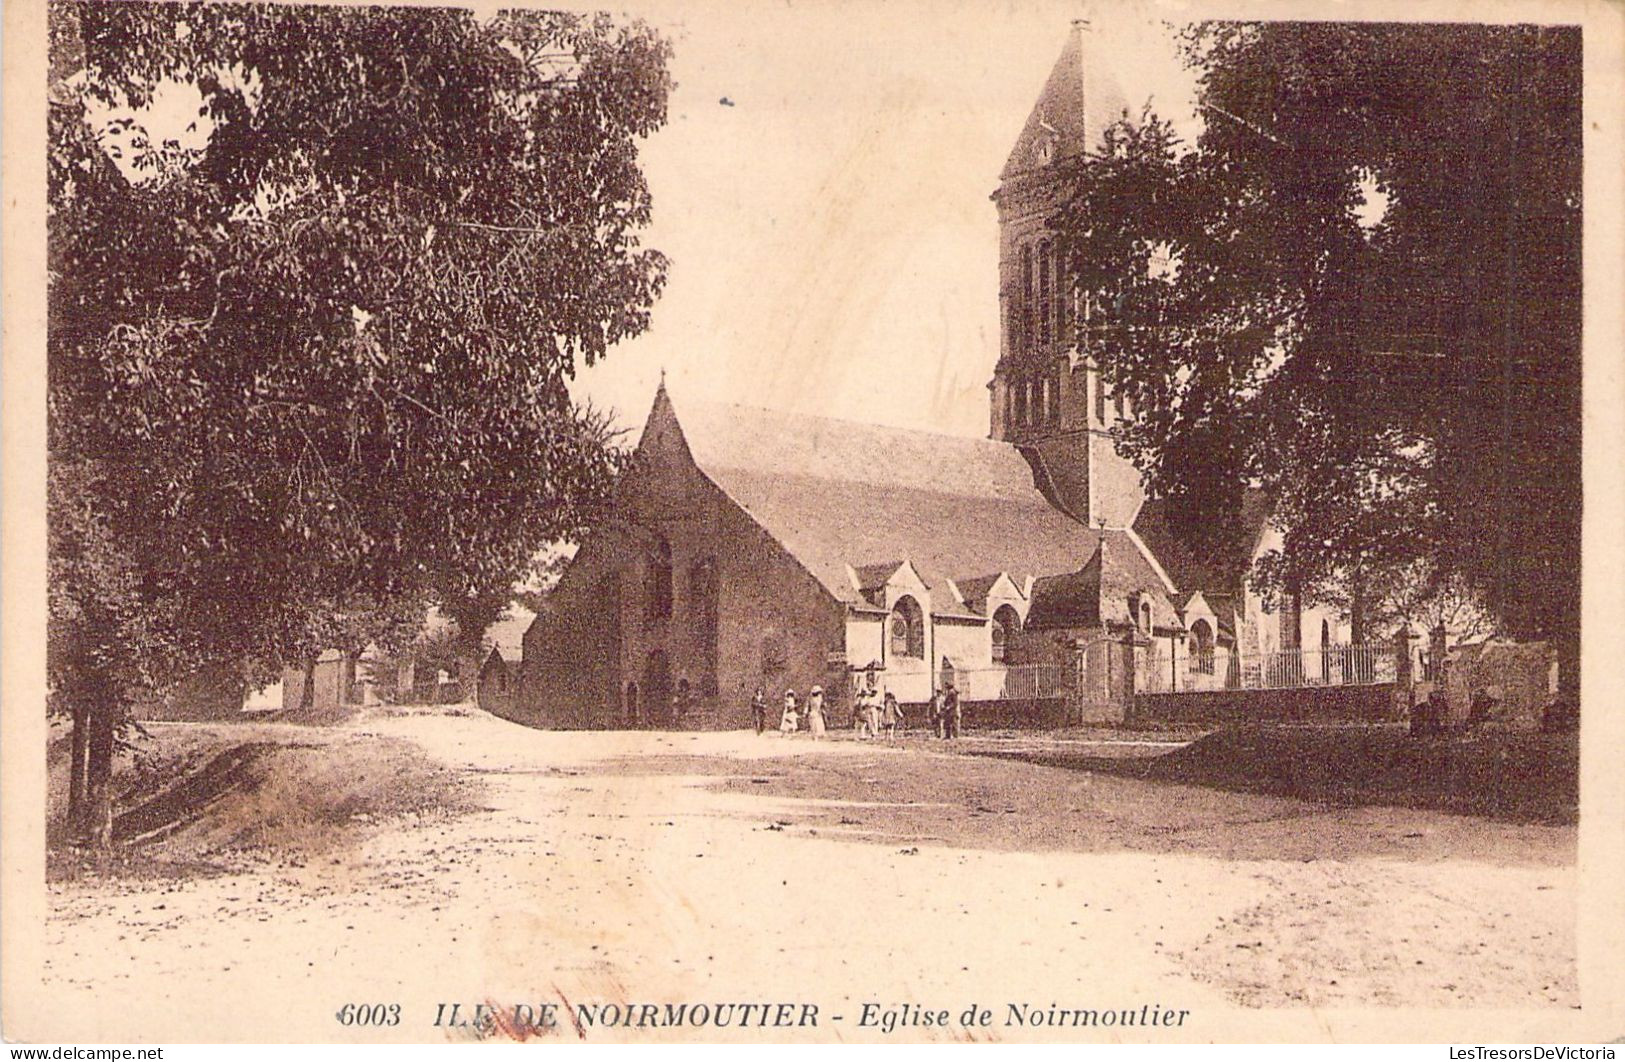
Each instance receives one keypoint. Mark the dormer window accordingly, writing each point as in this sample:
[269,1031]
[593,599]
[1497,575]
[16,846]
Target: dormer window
[1201,648]
[907,625]
[1006,623]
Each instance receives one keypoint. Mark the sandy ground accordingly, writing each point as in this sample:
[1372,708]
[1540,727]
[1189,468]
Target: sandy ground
[729,868]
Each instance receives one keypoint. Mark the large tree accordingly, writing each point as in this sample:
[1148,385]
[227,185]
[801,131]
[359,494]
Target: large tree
[1405,382]
[309,368]
[474,600]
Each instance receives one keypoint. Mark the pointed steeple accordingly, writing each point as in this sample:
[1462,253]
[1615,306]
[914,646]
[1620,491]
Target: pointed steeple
[1080,99]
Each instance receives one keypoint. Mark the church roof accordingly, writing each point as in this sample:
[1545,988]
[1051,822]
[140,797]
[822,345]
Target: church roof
[1099,591]
[874,576]
[976,588]
[1080,99]
[1211,573]
[836,493]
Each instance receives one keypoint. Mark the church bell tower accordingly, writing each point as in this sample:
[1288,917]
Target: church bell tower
[1046,397]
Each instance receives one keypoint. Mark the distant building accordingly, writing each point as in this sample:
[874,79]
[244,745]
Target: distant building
[499,674]
[751,548]
[336,680]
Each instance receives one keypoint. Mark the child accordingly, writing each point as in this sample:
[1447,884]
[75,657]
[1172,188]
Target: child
[891,717]
[788,721]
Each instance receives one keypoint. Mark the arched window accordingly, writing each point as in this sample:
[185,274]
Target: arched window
[702,605]
[907,629]
[1145,615]
[1063,301]
[1201,658]
[1006,622]
[1026,329]
[659,590]
[1042,296]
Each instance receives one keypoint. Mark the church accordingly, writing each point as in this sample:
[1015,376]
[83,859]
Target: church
[754,549]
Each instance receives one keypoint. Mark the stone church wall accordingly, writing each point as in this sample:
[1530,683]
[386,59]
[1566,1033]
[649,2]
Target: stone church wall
[774,624]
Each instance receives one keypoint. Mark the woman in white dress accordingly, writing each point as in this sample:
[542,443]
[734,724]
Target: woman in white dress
[815,712]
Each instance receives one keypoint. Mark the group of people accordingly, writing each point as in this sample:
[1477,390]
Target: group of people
[794,715]
[872,713]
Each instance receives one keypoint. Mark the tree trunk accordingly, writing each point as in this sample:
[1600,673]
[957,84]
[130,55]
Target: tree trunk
[96,822]
[1357,610]
[1291,659]
[1568,670]
[307,694]
[78,775]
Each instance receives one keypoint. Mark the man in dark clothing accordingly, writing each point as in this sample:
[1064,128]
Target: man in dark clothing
[758,709]
[950,712]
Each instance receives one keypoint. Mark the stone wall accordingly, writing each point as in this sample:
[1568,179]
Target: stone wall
[1312,704]
[1047,713]
[1515,680]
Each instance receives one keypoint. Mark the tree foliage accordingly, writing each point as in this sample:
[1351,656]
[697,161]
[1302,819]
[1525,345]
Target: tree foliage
[312,371]
[1405,386]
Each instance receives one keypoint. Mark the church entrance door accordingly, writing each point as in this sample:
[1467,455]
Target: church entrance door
[657,689]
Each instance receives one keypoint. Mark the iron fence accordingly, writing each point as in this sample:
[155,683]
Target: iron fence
[1015,682]
[1336,665]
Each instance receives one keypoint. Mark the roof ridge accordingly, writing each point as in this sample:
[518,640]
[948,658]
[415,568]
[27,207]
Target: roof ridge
[869,425]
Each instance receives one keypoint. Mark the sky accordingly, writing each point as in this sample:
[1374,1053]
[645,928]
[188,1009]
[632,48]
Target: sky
[821,189]
[833,246]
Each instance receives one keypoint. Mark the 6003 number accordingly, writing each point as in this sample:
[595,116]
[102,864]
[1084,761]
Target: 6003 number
[369,1014]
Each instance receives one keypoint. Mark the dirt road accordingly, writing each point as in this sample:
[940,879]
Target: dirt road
[633,868]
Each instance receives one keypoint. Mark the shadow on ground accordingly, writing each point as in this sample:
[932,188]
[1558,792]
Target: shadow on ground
[1018,801]
[1509,777]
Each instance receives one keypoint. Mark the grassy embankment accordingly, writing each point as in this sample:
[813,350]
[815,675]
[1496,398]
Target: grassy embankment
[202,798]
